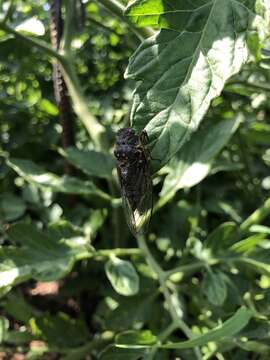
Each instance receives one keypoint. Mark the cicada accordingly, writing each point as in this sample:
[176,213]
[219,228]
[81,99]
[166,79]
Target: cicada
[133,167]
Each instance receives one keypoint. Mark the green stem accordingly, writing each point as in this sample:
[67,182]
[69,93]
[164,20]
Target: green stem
[185,269]
[9,11]
[69,25]
[256,217]
[118,9]
[118,252]
[161,275]
[257,86]
[161,338]
[94,128]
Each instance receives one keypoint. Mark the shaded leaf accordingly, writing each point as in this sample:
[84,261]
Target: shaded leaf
[221,237]
[215,288]
[122,276]
[61,331]
[113,353]
[91,162]
[66,184]
[39,256]
[4,325]
[193,162]
[11,207]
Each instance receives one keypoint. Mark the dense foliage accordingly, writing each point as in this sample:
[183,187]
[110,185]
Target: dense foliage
[74,282]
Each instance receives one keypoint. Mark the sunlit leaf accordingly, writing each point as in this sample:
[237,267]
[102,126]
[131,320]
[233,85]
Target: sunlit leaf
[136,338]
[180,71]
[32,26]
[122,276]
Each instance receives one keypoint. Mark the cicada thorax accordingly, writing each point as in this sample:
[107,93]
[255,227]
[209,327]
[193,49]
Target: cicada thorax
[134,177]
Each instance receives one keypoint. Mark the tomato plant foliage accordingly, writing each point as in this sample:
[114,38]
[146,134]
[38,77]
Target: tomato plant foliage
[74,283]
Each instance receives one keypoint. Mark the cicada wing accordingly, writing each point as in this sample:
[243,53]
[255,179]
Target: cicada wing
[139,217]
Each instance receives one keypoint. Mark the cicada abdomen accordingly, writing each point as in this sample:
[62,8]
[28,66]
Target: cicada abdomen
[134,174]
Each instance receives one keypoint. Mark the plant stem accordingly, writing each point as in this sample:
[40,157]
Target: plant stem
[189,268]
[161,276]
[118,252]
[69,26]
[256,217]
[257,86]
[94,128]
[118,9]
[41,45]
[162,337]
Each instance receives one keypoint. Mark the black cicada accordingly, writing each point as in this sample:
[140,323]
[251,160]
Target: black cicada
[135,178]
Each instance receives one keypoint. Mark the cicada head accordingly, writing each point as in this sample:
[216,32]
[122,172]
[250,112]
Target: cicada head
[126,143]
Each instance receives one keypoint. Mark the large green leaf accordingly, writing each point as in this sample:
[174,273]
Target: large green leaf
[91,162]
[193,162]
[180,71]
[66,184]
[39,256]
[171,14]
[227,330]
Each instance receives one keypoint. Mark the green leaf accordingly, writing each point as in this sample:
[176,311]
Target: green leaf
[17,307]
[32,26]
[180,71]
[61,331]
[4,325]
[39,256]
[222,236]
[122,276]
[215,288]
[91,162]
[11,207]
[258,261]
[248,244]
[66,184]
[131,311]
[113,353]
[139,339]
[18,337]
[172,14]
[227,330]
[193,162]
[48,107]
